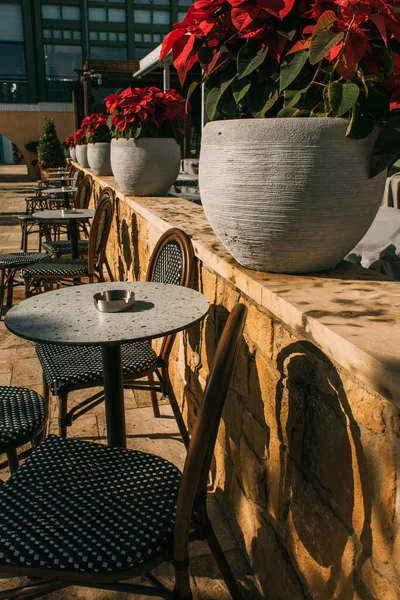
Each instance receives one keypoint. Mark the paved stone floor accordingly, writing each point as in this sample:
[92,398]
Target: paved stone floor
[19,366]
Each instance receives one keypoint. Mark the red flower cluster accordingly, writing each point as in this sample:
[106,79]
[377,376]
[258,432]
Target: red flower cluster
[79,137]
[96,128]
[212,27]
[146,111]
[69,141]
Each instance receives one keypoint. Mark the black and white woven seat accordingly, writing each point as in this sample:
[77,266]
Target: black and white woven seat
[65,366]
[61,247]
[56,268]
[84,507]
[23,415]
[17,260]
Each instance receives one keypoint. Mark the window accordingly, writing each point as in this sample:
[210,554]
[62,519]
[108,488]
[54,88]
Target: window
[108,53]
[98,15]
[67,35]
[103,36]
[51,12]
[161,17]
[46,33]
[57,34]
[122,37]
[71,13]
[181,16]
[92,35]
[117,15]
[12,61]
[112,36]
[61,61]
[147,37]
[185,2]
[155,17]
[11,25]
[77,35]
[141,53]
[142,16]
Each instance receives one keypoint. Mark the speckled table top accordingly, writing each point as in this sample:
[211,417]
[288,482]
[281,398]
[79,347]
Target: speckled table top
[56,214]
[69,316]
[59,190]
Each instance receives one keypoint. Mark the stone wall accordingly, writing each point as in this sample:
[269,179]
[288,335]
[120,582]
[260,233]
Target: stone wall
[307,455]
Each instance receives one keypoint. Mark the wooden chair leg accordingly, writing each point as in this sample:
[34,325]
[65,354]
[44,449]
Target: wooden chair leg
[175,408]
[10,289]
[182,584]
[12,459]
[153,396]
[62,413]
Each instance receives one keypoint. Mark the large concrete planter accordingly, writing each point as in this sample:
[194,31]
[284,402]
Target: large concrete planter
[145,167]
[287,195]
[72,152]
[98,156]
[81,155]
[67,153]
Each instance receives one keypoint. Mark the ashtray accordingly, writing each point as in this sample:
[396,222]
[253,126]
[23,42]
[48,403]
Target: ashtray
[68,211]
[114,300]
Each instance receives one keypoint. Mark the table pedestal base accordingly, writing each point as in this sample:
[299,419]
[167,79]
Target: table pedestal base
[114,395]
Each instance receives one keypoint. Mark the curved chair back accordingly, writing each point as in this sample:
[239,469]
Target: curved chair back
[193,486]
[78,176]
[99,232]
[84,192]
[172,261]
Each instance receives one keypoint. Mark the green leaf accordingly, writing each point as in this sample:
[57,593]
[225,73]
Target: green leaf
[287,112]
[360,126]
[376,105]
[386,58]
[191,89]
[342,97]
[248,61]
[326,20]
[240,88]
[323,42]
[291,68]
[213,97]
[227,77]
[261,98]
[386,149]
[227,106]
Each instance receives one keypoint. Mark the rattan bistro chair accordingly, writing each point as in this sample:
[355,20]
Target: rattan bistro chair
[80,513]
[23,418]
[58,270]
[68,368]
[57,248]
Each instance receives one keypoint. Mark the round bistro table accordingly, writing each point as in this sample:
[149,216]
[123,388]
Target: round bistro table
[66,191]
[68,316]
[72,218]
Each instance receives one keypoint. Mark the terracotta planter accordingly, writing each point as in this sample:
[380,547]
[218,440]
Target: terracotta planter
[145,167]
[98,156]
[287,195]
[81,155]
[72,152]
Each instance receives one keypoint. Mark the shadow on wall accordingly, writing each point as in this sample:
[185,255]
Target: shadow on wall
[290,467]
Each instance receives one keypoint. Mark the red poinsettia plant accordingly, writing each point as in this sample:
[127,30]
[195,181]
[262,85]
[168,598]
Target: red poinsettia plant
[79,137]
[96,128]
[297,58]
[146,112]
[69,142]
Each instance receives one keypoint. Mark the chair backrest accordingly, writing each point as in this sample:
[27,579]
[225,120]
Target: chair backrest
[78,176]
[193,486]
[99,232]
[172,261]
[84,192]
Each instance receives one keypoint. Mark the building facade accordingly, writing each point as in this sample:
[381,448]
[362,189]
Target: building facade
[43,42]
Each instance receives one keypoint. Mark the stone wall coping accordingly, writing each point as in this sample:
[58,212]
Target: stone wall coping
[350,313]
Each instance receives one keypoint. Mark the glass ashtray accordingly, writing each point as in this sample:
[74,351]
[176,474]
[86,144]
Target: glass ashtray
[68,211]
[112,301]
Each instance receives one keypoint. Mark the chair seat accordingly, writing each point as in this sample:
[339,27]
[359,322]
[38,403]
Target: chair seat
[23,414]
[16,260]
[53,267]
[71,365]
[64,246]
[84,507]
[52,222]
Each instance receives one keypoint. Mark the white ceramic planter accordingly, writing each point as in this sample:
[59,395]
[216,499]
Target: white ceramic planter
[287,195]
[81,155]
[67,153]
[72,152]
[98,156]
[145,167]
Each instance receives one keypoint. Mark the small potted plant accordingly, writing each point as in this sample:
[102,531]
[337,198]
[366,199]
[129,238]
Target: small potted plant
[98,137]
[146,128]
[297,93]
[49,150]
[67,143]
[81,147]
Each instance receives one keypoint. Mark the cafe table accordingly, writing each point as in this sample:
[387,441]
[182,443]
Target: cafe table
[73,219]
[68,316]
[66,191]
